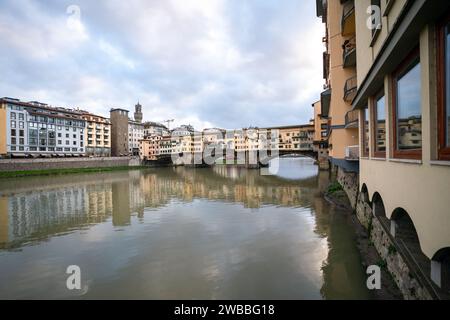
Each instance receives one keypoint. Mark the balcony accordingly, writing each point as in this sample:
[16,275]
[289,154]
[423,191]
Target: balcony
[352,153]
[348,18]
[351,119]
[350,89]
[349,53]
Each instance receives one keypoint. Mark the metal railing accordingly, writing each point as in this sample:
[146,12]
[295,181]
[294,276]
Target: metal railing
[349,49]
[350,88]
[351,118]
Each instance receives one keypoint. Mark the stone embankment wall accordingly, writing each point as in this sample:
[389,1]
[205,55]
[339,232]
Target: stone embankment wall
[66,163]
[393,257]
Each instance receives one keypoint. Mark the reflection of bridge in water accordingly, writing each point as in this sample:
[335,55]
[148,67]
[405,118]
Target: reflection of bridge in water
[37,208]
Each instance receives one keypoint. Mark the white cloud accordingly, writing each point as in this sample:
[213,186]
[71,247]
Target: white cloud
[204,62]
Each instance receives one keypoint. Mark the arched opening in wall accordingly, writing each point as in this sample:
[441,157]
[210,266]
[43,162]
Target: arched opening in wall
[440,269]
[379,210]
[365,194]
[407,239]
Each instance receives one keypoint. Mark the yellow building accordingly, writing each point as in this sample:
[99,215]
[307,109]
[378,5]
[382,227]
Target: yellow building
[339,66]
[404,117]
[98,135]
[320,143]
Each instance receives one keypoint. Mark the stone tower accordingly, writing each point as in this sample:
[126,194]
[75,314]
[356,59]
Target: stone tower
[119,132]
[138,113]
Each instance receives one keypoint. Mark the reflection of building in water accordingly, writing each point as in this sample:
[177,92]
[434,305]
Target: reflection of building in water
[63,206]
[121,203]
[4,220]
[52,211]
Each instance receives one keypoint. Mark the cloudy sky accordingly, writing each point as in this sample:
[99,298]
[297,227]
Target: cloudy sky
[225,63]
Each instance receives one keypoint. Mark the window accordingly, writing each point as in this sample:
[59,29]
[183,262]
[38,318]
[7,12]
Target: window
[13,115]
[13,132]
[13,140]
[407,111]
[379,125]
[444,89]
[365,138]
[21,116]
[13,124]
[376,20]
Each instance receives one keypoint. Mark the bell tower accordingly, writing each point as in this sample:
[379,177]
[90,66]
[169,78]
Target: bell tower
[138,113]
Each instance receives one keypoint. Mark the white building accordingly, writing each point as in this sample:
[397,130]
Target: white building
[39,130]
[135,133]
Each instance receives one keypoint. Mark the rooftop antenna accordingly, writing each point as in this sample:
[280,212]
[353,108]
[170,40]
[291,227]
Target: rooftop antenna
[168,123]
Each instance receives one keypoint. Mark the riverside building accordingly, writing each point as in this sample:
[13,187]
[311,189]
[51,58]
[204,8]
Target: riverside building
[34,129]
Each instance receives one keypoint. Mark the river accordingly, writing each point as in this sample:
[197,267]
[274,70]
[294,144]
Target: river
[178,233]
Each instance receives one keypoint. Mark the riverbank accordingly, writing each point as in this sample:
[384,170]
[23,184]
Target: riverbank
[336,195]
[56,172]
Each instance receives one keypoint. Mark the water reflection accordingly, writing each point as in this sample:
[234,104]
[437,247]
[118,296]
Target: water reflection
[224,232]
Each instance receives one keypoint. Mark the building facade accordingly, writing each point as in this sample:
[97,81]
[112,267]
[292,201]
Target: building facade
[402,101]
[339,72]
[155,128]
[320,143]
[135,133]
[33,129]
[98,135]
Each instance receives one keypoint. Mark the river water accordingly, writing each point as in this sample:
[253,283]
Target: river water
[178,233]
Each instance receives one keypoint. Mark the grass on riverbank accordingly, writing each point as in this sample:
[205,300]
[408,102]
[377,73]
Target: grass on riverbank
[50,172]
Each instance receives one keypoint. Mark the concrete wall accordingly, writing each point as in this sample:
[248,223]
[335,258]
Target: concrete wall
[73,163]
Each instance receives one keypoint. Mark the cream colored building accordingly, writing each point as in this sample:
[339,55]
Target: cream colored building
[404,115]
[98,135]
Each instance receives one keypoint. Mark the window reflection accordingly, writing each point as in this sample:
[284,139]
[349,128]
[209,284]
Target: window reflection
[366,132]
[380,123]
[409,114]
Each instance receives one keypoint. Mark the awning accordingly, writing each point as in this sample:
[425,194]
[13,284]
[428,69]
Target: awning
[325,100]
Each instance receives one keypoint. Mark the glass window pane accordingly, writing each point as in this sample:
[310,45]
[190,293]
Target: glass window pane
[409,113]
[380,144]
[447,75]
[366,132]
